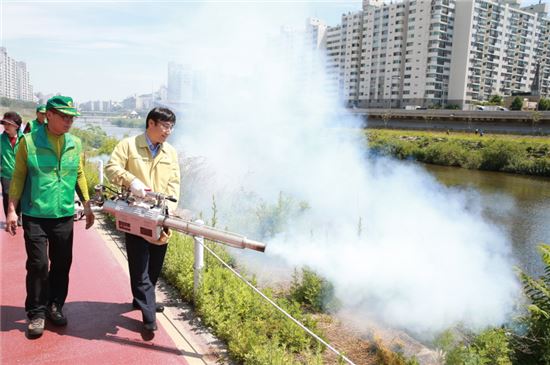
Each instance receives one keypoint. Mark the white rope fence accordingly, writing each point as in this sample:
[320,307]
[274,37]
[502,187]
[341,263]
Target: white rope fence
[310,332]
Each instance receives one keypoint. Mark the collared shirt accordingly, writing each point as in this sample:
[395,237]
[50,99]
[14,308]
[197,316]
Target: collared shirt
[132,159]
[154,149]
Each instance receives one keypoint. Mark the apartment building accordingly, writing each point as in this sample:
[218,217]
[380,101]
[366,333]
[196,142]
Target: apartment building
[332,45]
[393,54]
[14,78]
[438,52]
[499,51]
[180,84]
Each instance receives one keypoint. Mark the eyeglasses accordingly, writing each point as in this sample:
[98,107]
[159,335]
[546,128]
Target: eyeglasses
[65,117]
[168,126]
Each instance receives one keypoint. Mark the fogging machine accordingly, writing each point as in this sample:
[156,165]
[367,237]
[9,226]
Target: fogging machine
[148,217]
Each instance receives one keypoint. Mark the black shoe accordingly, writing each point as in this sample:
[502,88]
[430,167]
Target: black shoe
[159,308]
[55,315]
[35,327]
[150,326]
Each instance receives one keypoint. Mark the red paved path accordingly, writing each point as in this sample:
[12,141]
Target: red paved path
[102,329]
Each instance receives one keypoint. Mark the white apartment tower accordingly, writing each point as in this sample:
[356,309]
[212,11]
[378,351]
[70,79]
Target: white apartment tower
[14,78]
[180,84]
[332,45]
[498,50]
[393,54]
[438,52]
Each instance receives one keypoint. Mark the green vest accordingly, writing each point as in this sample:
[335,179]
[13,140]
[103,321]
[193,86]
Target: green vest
[33,125]
[7,160]
[50,183]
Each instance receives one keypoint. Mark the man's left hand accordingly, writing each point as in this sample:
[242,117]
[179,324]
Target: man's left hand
[90,217]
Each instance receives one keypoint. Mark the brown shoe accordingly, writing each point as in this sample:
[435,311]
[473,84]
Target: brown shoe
[35,327]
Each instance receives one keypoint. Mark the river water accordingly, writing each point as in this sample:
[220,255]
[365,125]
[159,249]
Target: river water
[105,124]
[519,204]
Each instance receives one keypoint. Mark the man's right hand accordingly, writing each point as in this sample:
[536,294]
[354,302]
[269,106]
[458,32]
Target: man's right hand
[138,188]
[11,222]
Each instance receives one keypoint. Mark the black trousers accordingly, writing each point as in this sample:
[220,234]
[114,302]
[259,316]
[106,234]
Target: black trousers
[47,238]
[5,196]
[145,264]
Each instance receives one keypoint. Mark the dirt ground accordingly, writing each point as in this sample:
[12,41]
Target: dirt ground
[346,339]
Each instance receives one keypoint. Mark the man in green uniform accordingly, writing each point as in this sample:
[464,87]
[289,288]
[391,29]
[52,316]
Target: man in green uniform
[9,141]
[39,121]
[48,169]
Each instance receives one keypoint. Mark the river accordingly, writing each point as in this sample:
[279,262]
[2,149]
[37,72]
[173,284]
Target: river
[105,124]
[519,204]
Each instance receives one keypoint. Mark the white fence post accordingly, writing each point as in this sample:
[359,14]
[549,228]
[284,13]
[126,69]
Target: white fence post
[198,264]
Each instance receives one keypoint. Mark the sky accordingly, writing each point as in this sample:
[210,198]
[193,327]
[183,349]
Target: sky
[101,50]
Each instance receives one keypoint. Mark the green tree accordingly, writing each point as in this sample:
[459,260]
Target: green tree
[517,103]
[544,104]
[495,100]
[535,118]
[312,291]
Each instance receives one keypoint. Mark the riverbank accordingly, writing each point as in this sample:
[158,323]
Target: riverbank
[445,115]
[506,153]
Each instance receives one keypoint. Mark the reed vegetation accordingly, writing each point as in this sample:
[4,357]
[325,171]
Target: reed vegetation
[506,153]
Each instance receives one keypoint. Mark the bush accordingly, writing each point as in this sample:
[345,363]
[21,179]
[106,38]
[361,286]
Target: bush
[495,100]
[497,155]
[517,104]
[95,140]
[312,291]
[544,104]
[447,154]
[533,346]
[490,347]
[255,332]
[92,176]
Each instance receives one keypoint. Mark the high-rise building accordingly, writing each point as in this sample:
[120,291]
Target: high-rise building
[438,52]
[180,84]
[499,50]
[14,78]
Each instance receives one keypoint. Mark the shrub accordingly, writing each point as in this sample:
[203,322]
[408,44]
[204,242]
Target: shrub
[533,346]
[312,291]
[517,103]
[495,100]
[544,104]
[255,332]
[497,155]
[92,176]
[448,154]
[490,347]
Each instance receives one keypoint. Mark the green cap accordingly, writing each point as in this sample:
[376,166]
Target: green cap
[63,104]
[41,108]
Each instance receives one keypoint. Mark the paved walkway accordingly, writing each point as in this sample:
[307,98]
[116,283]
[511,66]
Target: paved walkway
[103,328]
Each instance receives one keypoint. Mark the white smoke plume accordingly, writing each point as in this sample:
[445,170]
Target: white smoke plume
[268,142]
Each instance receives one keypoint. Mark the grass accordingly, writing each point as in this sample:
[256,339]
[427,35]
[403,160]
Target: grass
[507,153]
[255,332]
